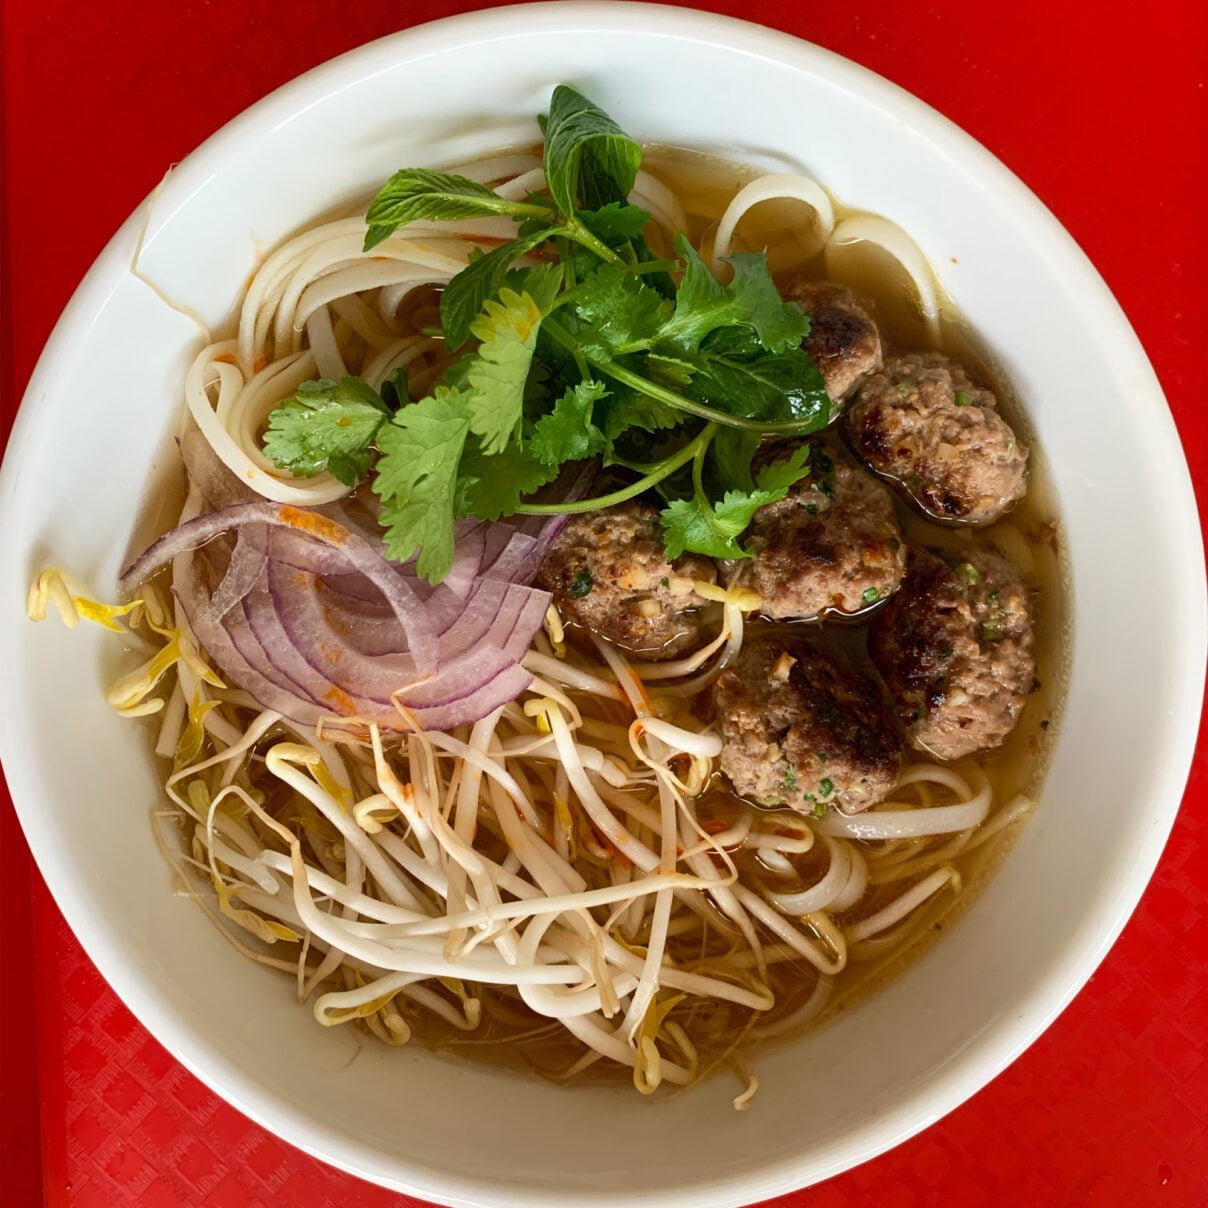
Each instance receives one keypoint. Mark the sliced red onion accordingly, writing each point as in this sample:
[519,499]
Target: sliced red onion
[314,622]
[421,638]
[248,560]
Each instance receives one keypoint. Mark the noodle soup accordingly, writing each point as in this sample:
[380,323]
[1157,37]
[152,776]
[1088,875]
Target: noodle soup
[524,821]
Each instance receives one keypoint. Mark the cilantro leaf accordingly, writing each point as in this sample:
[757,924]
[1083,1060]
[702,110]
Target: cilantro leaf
[589,159]
[616,223]
[778,476]
[421,449]
[420,193]
[567,432]
[326,425]
[620,312]
[752,300]
[496,378]
[714,528]
[463,298]
[491,486]
[706,528]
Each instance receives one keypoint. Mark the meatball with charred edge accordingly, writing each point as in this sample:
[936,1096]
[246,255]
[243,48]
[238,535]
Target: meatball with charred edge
[954,647]
[925,425]
[831,545]
[608,571]
[802,729]
[843,339]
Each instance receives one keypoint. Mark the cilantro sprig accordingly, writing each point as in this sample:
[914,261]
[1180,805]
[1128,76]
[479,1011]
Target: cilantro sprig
[593,351]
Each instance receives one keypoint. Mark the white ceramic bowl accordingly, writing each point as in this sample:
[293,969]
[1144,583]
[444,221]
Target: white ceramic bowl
[108,388]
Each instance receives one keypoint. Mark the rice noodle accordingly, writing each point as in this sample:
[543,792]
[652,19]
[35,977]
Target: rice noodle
[871,228]
[773,187]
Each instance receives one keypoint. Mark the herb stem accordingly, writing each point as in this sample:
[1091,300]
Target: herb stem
[652,390]
[663,469]
[698,468]
[581,235]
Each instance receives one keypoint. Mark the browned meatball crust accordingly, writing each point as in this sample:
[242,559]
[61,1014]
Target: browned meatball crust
[608,571]
[831,545]
[802,729]
[923,423]
[843,339]
[954,647]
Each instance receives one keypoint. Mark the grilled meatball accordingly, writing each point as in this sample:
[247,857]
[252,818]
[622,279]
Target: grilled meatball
[923,423]
[608,571]
[832,544]
[955,649]
[843,339]
[801,728]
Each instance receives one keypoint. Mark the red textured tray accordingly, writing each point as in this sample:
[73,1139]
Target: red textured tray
[1105,118]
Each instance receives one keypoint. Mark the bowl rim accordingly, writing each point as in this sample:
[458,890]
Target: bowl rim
[1002,1041]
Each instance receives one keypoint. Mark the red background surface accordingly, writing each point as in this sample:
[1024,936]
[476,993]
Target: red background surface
[1103,118]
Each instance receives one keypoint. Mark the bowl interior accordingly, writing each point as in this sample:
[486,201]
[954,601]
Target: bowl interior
[111,379]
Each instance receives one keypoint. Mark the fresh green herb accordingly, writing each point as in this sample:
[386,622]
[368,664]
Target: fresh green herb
[589,160]
[819,810]
[419,194]
[871,595]
[567,432]
[327,426]
[464,297]
[968,573]
[703,305]
[712,528]
[508,331]
[580,585]
[963,398]
[906,385]
[826,786]
[790,776]
[416,474]
[616,223]
[592,352]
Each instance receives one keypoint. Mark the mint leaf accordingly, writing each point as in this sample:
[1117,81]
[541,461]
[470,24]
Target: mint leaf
[768,386]
[567,433]
[464,296]
[326,425]
[589,159]
[752,300]
[620,313]
[420,193]
[417,471]
[615,223]
[496,378]
[491,486]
